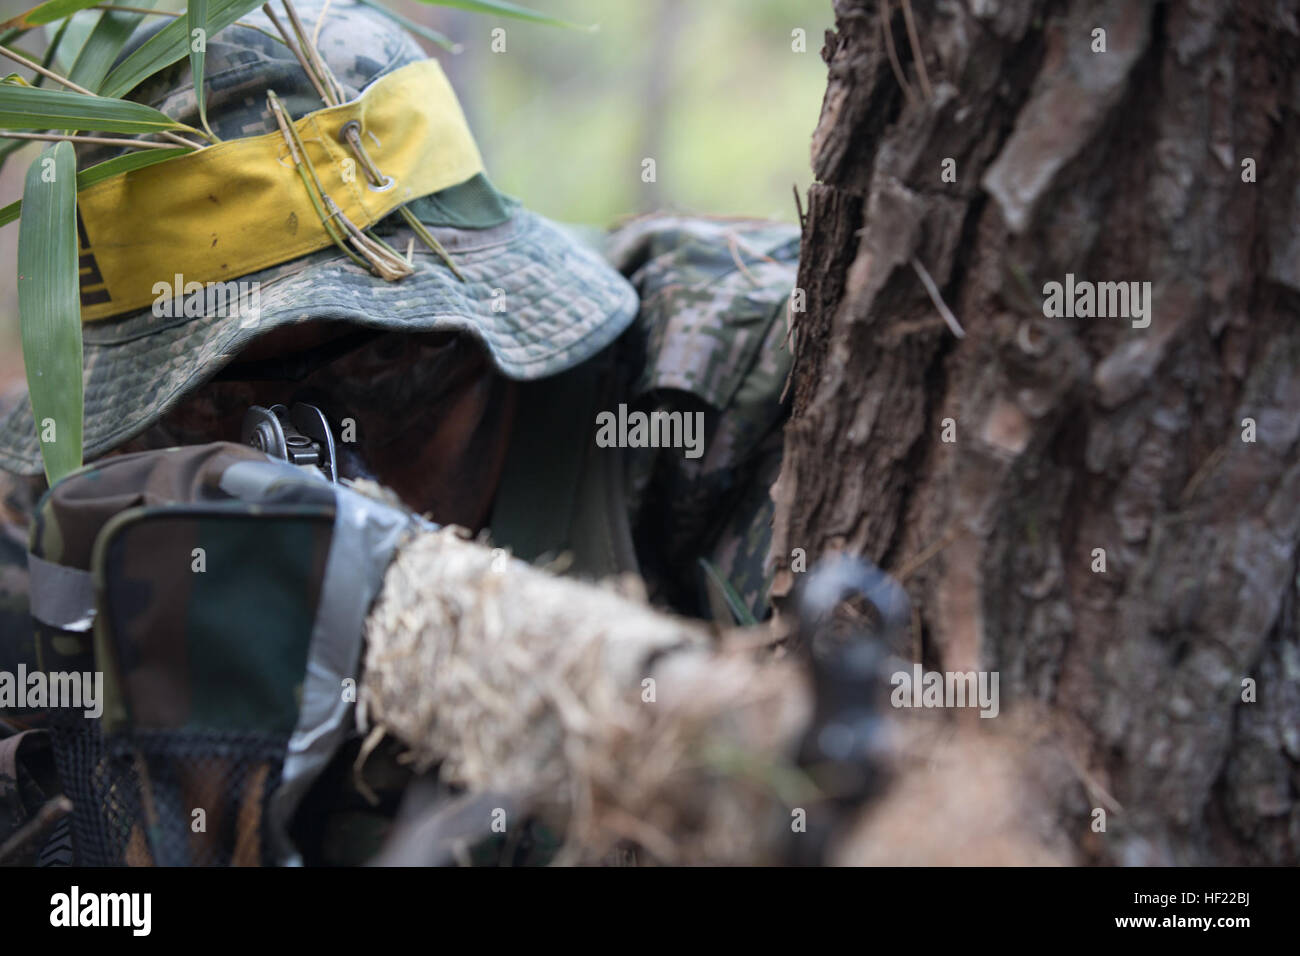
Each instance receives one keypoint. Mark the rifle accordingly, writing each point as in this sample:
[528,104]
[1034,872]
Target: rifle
[520,694]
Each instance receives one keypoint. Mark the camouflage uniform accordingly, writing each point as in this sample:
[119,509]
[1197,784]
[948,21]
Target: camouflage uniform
[713,332]
[709,336]
[710,339]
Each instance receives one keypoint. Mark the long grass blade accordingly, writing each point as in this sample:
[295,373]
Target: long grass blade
[46,13]
[102,47]
[29,108]
[501,8]
[49,307]
[76,138]
[197,24]
[735,603]
[52,50]
[419,29]
[170,44]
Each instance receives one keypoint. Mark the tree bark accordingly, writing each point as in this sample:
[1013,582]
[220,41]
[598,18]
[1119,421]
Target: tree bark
[1071,435]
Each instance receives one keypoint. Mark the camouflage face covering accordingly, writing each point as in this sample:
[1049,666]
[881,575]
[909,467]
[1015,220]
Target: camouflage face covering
[538,301]
[423,414]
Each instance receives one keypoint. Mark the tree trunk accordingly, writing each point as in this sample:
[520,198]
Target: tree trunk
[1173,157]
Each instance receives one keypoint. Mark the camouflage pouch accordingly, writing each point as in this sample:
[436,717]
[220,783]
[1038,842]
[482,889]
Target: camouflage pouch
[227,591]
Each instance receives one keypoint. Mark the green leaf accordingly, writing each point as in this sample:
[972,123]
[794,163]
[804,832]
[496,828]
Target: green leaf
[29,108]
[47,13]
[419,29]
[80,25]
[738,608]
[503,9]
[196,19]
[170,44]
[52,50]
[101,171]
[49,307]
[103,45]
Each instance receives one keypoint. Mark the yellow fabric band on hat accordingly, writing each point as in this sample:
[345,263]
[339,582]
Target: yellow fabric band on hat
[239,206]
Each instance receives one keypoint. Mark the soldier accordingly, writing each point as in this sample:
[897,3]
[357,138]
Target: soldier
[470,387]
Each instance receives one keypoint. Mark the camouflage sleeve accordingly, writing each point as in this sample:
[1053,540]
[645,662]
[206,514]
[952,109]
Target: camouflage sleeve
[711,338]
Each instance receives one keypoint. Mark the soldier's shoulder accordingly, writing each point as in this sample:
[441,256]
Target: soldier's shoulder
[711,289]
[714,294]
[700,247]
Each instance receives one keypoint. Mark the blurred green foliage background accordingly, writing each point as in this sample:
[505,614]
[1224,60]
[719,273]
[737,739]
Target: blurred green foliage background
[714,91]
[710,89]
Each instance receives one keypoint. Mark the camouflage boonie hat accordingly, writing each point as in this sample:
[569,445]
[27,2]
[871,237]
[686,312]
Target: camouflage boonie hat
[538,300]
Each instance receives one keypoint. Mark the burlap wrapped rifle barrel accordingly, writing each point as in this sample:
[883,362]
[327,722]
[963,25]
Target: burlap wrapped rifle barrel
[614,721]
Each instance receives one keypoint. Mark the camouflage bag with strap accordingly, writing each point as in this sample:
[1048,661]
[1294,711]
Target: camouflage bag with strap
[220,594]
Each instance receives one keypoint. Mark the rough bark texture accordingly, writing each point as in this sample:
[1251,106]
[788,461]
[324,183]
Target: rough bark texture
[1073,434]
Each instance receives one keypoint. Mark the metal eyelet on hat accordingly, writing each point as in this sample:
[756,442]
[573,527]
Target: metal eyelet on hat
[376,181]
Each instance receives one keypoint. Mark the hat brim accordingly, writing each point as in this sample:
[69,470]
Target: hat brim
[537,300]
